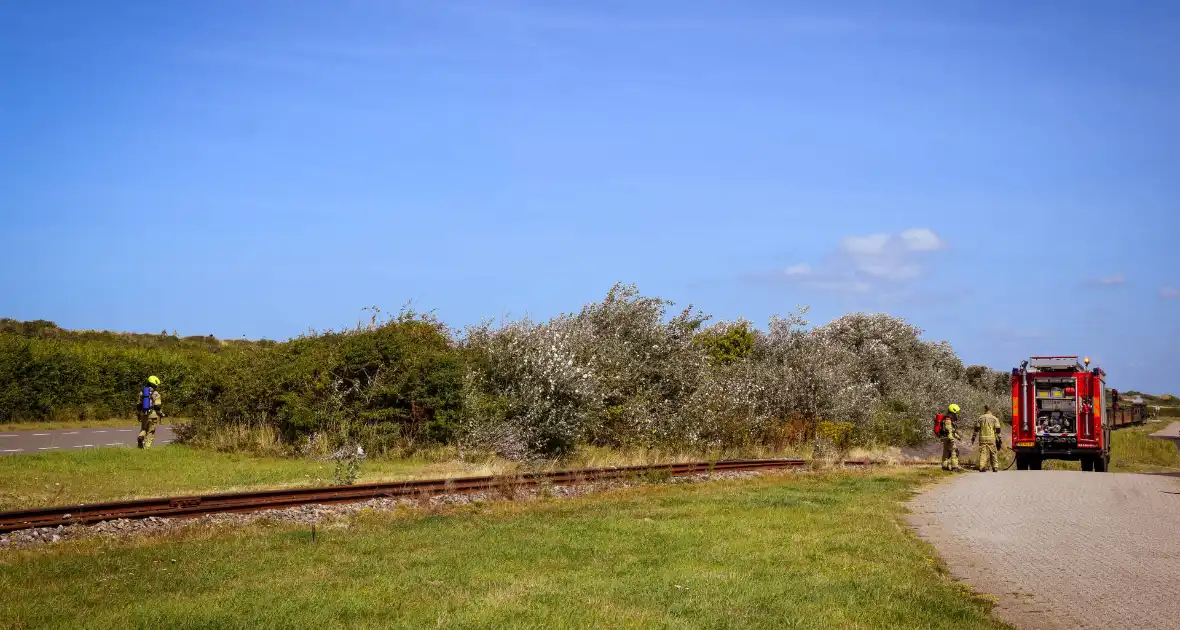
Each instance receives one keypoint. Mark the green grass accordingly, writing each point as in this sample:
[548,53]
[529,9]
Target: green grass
[782,551]
[1132,451]
[109,474]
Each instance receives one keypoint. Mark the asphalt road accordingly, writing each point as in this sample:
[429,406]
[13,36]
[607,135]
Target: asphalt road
[1062,549]
[22,442]
[1170,432]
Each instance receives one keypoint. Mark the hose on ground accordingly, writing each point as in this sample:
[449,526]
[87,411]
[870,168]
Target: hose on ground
[1011,462]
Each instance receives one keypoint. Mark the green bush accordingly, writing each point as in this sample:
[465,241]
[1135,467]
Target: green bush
[53,378]
[618,373]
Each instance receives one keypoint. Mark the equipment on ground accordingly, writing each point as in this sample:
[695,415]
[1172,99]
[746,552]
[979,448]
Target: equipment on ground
[1061,409]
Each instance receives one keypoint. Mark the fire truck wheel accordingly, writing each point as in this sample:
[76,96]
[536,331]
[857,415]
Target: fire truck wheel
[1021,462]
[1034,463]
[1088,464]
[1102,464]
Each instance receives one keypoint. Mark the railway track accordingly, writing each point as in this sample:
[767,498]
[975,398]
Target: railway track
[199,505]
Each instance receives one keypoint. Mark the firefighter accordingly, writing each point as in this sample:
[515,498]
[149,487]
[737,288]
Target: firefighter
[150,411]
[950,450]
[987,430]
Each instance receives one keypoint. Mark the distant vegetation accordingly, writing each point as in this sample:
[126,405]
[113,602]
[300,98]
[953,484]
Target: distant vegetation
[50,373]
[618,373]
[1169,405]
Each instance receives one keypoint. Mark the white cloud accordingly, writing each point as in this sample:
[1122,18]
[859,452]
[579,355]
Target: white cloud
[1113,279]
[922,240]
[890,269]
[865,263]
[871,245]
[1170,293]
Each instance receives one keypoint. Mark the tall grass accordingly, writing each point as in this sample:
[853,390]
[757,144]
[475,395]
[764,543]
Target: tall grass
[1132,451]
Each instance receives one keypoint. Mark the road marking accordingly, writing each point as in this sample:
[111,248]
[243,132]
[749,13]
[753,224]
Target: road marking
[9,435]
[70,433]
[126,430]
[46,448]
[116,444]
[40,434]
[79,446]
[86,445]
[15,450]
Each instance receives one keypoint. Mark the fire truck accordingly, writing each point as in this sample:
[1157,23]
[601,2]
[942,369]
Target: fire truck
[1061,409]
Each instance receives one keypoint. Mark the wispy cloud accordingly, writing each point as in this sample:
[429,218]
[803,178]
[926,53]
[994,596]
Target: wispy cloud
[881,262]
[1170,293]
[473,32]
[539,17]
[1110,281]
[543,17]
[1010,336]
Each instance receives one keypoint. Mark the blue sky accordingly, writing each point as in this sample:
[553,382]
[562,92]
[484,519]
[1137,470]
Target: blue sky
[1002,174]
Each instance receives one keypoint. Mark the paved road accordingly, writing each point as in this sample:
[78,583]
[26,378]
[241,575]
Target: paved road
[21,442]
[1062,549]
[1171,432]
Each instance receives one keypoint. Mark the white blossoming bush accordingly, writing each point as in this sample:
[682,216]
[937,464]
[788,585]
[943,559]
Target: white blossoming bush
[644,367]
[808,374]
[618,373]
[526,392]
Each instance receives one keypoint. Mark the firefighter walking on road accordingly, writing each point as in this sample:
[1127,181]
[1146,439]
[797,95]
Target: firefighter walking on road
[150,411]
[950,450]
[987,429]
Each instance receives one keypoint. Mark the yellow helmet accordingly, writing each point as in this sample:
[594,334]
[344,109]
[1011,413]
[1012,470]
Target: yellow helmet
[154,380]
[953,408]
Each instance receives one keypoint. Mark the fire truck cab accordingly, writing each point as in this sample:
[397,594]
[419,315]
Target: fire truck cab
[1059,412]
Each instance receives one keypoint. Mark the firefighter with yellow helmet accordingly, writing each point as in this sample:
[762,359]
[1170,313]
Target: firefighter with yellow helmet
[950,450]
[150,411]
[987,431]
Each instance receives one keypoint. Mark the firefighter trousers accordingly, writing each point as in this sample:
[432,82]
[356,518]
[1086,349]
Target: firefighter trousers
[988,459]
[950,454]
[147,429]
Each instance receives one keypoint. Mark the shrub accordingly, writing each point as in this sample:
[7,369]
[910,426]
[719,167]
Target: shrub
[620,372]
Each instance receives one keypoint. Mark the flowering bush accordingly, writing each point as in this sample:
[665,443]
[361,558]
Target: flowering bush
[619,374]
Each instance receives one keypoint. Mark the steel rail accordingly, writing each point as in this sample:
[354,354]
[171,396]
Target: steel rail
[199,505]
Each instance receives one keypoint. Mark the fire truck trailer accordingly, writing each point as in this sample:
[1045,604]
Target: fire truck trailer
[1061,409]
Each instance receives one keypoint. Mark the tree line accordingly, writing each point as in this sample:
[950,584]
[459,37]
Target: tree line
[620,372]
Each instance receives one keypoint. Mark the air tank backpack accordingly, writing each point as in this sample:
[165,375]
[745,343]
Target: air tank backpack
[938,428]
[145,400]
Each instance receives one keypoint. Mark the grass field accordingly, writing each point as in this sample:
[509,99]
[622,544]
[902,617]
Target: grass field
[92,475]
[109,474]
[780,551]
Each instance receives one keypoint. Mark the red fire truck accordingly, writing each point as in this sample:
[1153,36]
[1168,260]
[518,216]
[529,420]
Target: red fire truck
[1061,409]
